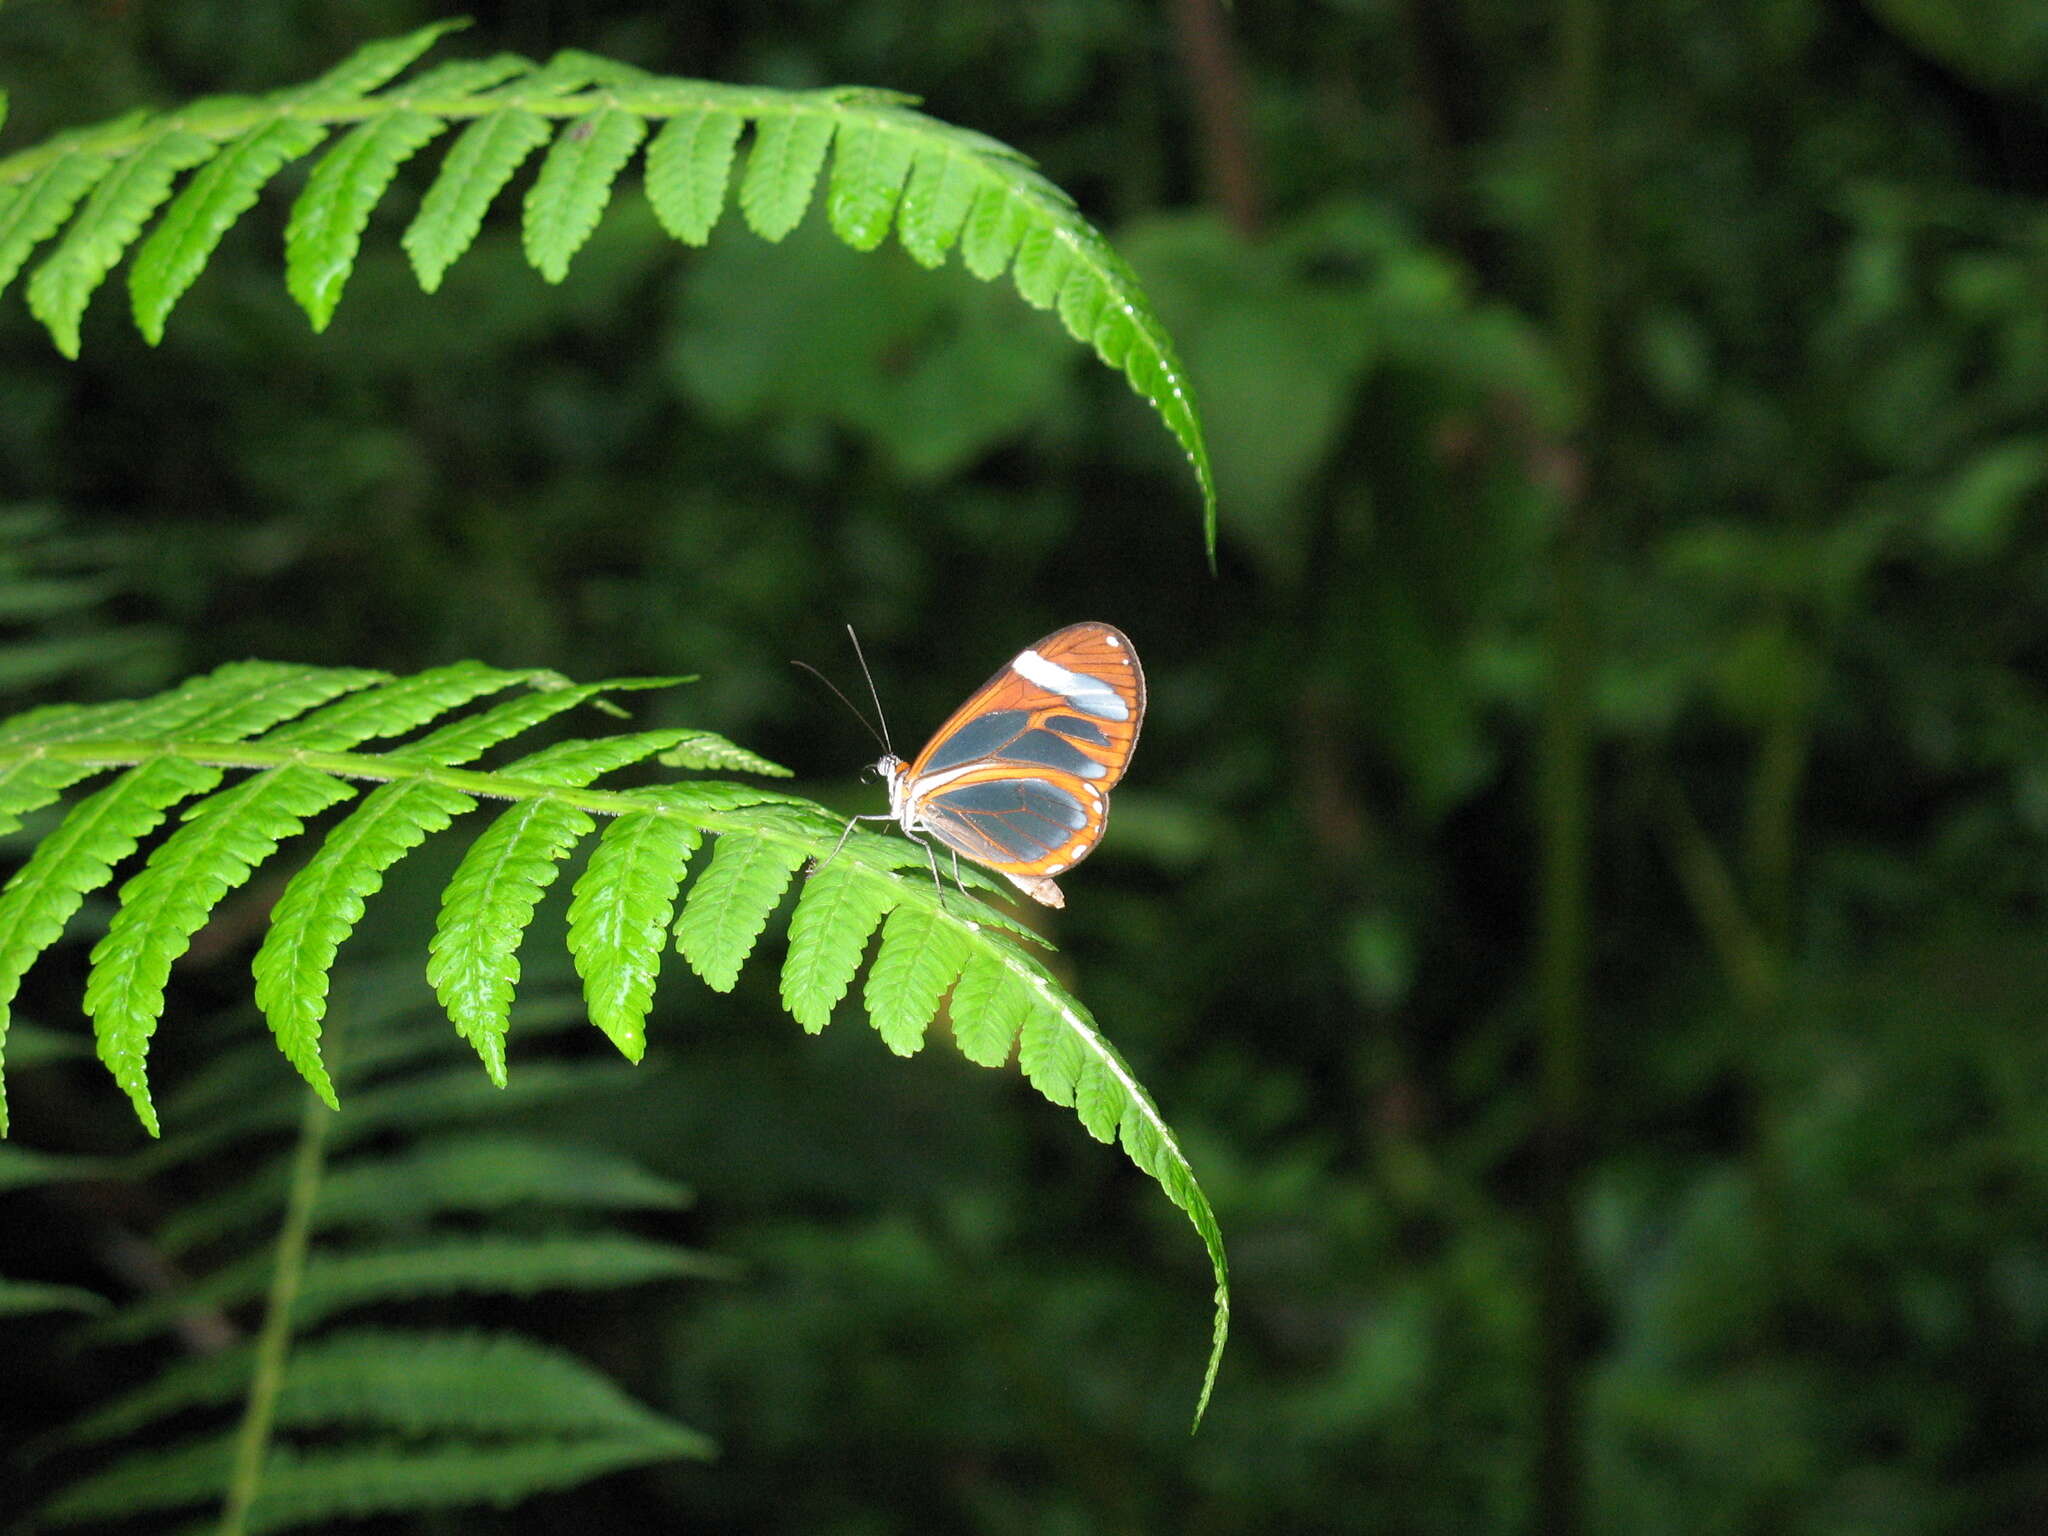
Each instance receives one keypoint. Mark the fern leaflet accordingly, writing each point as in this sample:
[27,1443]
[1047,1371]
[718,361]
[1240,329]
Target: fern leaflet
[921,955]
[835,917]
[619,918]
[574,184]
[729,905]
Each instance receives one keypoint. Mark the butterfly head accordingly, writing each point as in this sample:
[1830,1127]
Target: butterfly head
[892,771]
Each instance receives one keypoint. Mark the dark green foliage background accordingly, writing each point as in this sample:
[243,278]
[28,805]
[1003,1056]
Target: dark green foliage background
[1814,1214]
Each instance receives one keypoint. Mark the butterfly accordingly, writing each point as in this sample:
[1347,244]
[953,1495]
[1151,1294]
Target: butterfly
[1018,779]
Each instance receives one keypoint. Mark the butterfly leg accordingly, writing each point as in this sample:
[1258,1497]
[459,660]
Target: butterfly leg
[938,885]
[818,864]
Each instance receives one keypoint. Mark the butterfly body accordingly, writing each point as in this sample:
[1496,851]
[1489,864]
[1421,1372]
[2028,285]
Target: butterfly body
[1018,778]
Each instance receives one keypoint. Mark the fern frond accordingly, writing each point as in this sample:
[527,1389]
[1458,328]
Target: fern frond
[937,185]
[298,734]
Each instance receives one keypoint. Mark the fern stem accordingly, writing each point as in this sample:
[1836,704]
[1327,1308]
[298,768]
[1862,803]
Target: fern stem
[653,99]
[1565,788]
[273,1344]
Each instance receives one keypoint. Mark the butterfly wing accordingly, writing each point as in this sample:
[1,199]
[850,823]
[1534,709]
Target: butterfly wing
[1018,779]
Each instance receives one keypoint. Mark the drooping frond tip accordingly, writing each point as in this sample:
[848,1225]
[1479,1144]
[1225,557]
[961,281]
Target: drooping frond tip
[97,190]
[250,754]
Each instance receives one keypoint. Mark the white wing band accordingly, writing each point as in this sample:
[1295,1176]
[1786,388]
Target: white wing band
[1090,695]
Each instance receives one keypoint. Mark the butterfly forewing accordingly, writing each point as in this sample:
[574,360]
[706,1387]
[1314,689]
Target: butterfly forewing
[1019,778]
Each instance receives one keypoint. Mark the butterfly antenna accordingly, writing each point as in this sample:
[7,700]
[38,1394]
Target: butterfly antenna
[873,693]
[863,719]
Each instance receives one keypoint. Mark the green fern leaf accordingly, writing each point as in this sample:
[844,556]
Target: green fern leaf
[486,1266]
[869,164]
[375,63]
[619,917]
[27,783]
[995,226]
[572,69]
[782,168]
[688,167]
[707,749]
[422,1384]
[415,1383]
[463,740]
[164,905]
[214,705]
[574,763]
[457,1175]
[729,903]
[988,1007]
[30,783]
[836,914]
[1049,1053]
[392,708]
[327,223]
[491,899]
[1041,266]
[922,952]
[111,222]
[1083,301]
[485,912]
[467,1175]
[934,206]
[3,109]
[41,207]
[321,1487]
[321,905]
[482,160]
[225,188]
[78,858]
[19,1298]
[708,797]
[338,1282]
[460,1095]
[575,183]
[1067,1059]
[21,1168]
[462,77]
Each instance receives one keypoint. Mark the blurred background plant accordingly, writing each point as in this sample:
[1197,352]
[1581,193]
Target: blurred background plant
[1813,1158]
